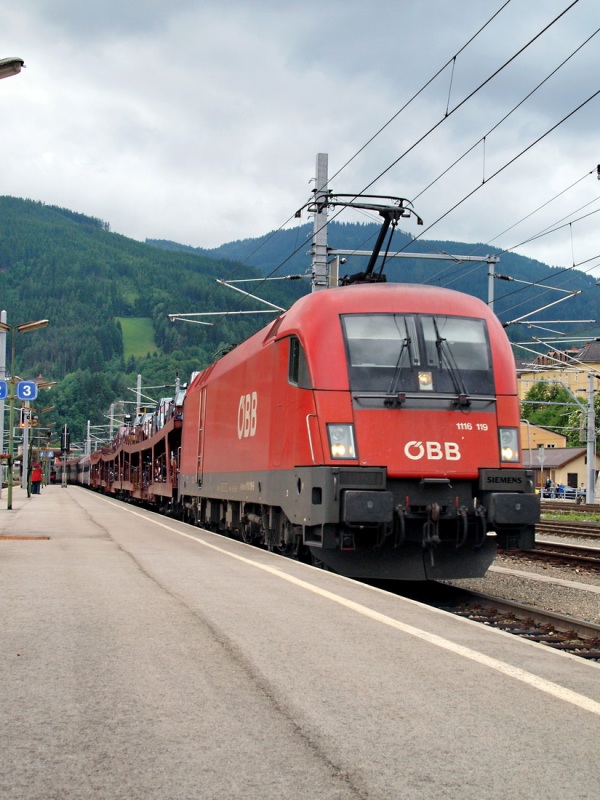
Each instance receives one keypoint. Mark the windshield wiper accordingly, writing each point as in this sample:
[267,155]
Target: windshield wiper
[398,399]
[446,355]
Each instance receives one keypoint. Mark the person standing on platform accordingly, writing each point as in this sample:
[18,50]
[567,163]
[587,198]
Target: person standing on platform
[36,477]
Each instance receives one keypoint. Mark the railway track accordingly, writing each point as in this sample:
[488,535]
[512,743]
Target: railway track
[556,527]
[558,553]
[561,632]
[550,506]
[570,554]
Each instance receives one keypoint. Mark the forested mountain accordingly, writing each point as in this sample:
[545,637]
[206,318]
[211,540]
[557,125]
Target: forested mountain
[107,297]
[512,299]
[70,269]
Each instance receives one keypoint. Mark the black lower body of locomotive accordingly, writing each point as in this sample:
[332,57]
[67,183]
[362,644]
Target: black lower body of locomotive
[358,522]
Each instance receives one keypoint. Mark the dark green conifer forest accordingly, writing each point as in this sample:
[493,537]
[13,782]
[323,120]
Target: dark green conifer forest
[71,269]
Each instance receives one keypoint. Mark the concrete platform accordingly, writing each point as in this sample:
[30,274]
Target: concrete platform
[145,658]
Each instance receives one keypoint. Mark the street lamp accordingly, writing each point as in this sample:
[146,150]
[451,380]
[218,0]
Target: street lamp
[10,66]
[14,329]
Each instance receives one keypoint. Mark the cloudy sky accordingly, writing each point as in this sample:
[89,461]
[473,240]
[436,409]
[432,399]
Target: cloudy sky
[199,121]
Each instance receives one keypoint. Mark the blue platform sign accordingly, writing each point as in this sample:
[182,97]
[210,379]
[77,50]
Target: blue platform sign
[3,390]
[26,390]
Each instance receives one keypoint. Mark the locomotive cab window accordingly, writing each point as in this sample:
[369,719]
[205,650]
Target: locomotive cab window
[298,366]
[396,353]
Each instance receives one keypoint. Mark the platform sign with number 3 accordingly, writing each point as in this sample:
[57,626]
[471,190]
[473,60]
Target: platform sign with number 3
[27,390]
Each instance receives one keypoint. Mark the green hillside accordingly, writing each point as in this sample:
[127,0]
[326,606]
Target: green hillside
[138,336]
[107,298]
[512,299]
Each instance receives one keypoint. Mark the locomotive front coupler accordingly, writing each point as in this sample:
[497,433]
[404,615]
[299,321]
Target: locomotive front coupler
[400,526]
[431,527]
[463,518]
[481,515]
[431,531]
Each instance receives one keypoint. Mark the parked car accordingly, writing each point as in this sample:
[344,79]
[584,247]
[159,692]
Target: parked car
[572,493]
[564,493]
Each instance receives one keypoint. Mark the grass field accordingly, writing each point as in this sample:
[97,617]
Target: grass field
[138,336]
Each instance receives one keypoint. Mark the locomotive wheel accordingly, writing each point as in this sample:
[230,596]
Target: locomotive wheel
[287,544]
[191,515]
[246,534]
[250,532]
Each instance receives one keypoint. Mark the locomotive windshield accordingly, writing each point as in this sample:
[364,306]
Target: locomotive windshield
[396,353]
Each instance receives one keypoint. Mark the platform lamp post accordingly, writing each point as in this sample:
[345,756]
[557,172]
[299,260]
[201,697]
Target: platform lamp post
[14,329]
[10,66]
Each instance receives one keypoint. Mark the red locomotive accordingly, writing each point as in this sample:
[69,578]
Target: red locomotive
[372,427]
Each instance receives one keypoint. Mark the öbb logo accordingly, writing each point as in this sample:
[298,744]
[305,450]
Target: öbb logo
[246,425]
[433,451]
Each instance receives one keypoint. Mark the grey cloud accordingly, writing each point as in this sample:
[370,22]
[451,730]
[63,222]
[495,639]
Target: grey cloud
[200,121]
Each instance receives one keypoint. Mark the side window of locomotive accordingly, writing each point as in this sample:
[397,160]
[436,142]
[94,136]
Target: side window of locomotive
[298,366]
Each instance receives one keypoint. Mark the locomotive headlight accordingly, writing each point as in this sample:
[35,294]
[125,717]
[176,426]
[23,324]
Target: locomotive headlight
[509,444]
[425,381]
[341,440]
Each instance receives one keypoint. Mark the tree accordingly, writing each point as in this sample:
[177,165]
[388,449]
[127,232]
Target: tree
[549,405]
[577,422]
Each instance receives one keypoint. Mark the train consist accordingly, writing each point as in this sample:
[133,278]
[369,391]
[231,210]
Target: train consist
[372,428]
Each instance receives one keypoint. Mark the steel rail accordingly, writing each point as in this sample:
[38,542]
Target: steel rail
[559,631]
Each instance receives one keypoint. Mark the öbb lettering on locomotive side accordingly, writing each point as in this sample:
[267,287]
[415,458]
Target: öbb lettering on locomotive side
[372,428]
[247,411]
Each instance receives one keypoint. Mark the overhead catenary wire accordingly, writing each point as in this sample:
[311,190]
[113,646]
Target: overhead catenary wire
[446,115]
[552,277]
[564,270]
[459,105]
[535,210]
[503,119]
[375,135]
[553,227]
[470,95]
[420,91]
[507,164]
[531,213]
[560,272]
[483,139]
[466,99]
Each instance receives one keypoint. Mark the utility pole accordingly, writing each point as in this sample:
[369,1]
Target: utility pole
[591,444]
[326,261]
[320,279]
[491,276]
[2,377]
[25,459]
[65,449]
[138,397]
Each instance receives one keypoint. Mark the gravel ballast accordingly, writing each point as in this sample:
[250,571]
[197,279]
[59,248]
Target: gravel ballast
[547,594]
